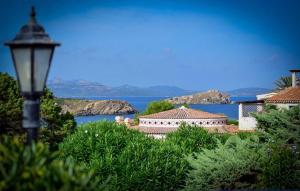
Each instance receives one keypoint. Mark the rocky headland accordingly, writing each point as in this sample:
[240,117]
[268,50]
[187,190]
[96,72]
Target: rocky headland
[209,97]
[96,107]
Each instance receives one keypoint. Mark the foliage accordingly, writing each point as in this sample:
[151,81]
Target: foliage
[281,169]
[158,106]
[132,160]
[284,82]
[186,105]
[233,122]
[10,105]
[154,107]
[266,159]
[281,124]
[36,168]
[192,139]
[233,165]
[56,123]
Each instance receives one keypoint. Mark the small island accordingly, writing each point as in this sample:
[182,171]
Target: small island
[95,107]
[209,97]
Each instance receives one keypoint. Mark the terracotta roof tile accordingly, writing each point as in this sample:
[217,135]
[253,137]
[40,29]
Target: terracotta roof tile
[183,113]
[289,95]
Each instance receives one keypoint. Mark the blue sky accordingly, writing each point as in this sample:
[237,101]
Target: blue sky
[195,45]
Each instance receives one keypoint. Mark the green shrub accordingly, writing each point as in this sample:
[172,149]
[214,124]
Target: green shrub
[281,125]
[281,169]
[131,160]
[192,139]
[36,168]
[234,165]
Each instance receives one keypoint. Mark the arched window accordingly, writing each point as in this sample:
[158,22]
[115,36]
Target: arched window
[177,123]
[169,123]
[161,123]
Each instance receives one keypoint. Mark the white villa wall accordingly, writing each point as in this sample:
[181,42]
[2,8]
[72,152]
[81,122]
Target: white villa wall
[246,122]
[285,105]
[144,122]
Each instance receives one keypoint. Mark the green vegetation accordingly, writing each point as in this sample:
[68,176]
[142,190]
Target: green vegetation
[107,156]
[56,124]
[36,168]
[281,125]
[10,105]
[158,106]
[233,165]
[232,122]
[131,160]
[154,107]
[192,139]
[269,159]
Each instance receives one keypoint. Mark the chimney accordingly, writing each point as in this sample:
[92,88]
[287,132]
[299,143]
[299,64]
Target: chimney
[294,77]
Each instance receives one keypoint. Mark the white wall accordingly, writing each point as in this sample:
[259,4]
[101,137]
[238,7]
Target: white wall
[246,123]
[285,106]
[144,122]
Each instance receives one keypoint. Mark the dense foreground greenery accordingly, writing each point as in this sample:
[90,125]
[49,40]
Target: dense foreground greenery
[106,156]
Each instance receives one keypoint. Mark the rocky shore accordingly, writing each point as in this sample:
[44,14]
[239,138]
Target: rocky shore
[94,107]
[209,97]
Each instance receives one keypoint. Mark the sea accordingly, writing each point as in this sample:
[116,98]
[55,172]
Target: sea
[140,103]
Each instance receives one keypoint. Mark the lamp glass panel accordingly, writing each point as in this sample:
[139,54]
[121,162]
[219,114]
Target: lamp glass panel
[22,60]
[42,58]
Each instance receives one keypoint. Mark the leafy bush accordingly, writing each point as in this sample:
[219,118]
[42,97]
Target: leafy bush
[281,169]
[36,168]
[131,160]
[281,124]
[234,165]
[192,139]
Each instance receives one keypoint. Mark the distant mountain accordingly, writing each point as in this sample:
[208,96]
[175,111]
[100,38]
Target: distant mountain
[81,88]
[248,91]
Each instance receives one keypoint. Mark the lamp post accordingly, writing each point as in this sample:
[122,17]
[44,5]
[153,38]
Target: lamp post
[32,51]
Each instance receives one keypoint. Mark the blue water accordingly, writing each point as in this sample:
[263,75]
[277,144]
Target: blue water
[140,103]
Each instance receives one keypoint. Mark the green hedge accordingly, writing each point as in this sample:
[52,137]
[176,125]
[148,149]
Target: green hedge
[36,168]
[131,160]
[233,165]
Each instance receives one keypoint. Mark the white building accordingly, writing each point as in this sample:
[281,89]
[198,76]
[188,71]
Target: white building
[159,124]
[246,108]
[286,99]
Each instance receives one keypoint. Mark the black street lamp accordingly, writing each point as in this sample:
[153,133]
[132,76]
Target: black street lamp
[32,51]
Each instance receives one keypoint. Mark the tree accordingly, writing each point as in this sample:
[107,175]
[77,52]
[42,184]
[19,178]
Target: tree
[55,123]
[10,105]
[154,107]
[158,106]
[284,82]
[282,125]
